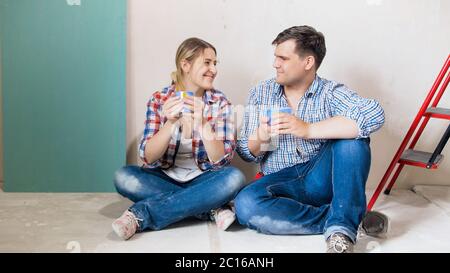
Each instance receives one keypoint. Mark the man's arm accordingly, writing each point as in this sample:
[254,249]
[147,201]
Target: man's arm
[367,113]
[338,127]
[251,136]
[353,117]
[259,138]
[333,128]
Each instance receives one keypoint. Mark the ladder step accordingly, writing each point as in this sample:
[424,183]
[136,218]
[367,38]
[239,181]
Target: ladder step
[419,159]
[437,112]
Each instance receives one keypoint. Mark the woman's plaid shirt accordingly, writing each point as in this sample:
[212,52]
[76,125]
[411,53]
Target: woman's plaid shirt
[218,113]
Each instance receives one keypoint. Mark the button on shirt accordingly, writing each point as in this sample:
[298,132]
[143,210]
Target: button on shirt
[323,99]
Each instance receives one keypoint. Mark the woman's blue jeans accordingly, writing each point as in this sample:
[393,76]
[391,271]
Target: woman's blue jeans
[161,201]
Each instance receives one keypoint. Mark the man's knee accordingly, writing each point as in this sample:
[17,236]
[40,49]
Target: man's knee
[246,205]
[352,156]
[347,147]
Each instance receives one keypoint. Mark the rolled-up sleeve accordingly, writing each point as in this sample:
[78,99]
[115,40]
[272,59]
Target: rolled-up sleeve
[250,124]
[152,126]
[224,130]
[367,113]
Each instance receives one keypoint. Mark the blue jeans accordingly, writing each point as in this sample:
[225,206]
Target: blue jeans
[324,195]
[161,201]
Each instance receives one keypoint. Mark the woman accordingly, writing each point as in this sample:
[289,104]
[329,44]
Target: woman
[187,143]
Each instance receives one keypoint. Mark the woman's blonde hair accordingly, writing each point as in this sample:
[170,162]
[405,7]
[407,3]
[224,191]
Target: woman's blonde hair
[189,50]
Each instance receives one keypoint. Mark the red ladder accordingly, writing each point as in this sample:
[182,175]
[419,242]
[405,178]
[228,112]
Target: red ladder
[411,156]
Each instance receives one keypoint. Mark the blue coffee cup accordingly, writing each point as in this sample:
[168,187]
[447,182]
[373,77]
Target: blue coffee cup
[182,95]
[272,111]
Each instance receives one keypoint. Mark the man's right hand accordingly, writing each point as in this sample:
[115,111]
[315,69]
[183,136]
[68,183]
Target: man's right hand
[260,137]
[264,129]
[172,108]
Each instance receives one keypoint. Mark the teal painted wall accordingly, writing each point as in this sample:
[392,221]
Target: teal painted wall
[63,76]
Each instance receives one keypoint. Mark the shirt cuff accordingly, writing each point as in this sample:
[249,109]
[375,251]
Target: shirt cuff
[245,153]
[155,164]
[222,161]
[355,114]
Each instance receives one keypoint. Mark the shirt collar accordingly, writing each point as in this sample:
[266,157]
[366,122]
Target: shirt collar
[209,96]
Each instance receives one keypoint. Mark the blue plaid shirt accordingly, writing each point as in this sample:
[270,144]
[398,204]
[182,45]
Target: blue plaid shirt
[323,99]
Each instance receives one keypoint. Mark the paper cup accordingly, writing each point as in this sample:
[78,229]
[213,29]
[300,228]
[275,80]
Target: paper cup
[270,113]
[184,94]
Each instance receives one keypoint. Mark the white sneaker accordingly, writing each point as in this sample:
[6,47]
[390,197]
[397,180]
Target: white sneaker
[126,225]
[224,217]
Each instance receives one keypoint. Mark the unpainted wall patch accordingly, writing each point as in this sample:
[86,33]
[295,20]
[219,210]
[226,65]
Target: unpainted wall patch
[73,2]
[374,2]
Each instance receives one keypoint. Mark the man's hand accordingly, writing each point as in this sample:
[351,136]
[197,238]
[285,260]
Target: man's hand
[283,123]
[264,129]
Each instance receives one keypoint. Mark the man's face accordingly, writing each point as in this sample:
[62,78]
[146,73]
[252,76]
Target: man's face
[291,68]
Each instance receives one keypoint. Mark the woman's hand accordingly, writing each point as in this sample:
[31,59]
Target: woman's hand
[172,108]
[197,107]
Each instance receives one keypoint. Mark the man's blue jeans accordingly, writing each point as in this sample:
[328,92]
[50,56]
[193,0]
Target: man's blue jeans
[324,195]
[161,201]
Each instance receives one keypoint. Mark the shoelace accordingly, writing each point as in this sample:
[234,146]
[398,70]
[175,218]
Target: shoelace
[134,218]
[339,243]
[214,214]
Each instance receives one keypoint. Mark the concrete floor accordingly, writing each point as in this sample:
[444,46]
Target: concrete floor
[81,222]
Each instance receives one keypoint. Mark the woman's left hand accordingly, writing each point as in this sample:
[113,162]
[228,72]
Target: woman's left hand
[197,106]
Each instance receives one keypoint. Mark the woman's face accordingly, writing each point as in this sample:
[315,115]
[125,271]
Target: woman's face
[200,74]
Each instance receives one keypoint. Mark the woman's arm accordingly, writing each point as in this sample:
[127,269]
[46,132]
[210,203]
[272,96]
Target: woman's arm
[159,138]
[157,145]
[214,148]
[214,145]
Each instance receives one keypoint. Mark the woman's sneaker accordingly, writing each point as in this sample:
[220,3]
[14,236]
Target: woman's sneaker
[126,225]
[224,217]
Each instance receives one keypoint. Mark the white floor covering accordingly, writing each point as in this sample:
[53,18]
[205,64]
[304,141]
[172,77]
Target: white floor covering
[81,222]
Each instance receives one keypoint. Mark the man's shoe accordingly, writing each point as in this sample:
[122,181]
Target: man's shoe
[375,223]
[339,243]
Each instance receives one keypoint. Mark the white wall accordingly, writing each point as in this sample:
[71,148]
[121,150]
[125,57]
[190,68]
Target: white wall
[388,50]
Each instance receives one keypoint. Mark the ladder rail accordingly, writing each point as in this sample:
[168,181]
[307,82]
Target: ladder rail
[394,178]
[439,147]
[427,118]
[441,91]
[409,134]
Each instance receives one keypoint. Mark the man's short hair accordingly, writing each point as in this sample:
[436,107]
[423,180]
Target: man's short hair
[307,40]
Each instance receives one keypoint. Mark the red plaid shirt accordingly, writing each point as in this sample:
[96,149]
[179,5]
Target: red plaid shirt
[219,114]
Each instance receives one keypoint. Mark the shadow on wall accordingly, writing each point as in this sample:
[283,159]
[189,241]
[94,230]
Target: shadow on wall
[132,153]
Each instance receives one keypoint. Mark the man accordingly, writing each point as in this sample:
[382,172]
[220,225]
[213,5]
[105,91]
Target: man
[314,179]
